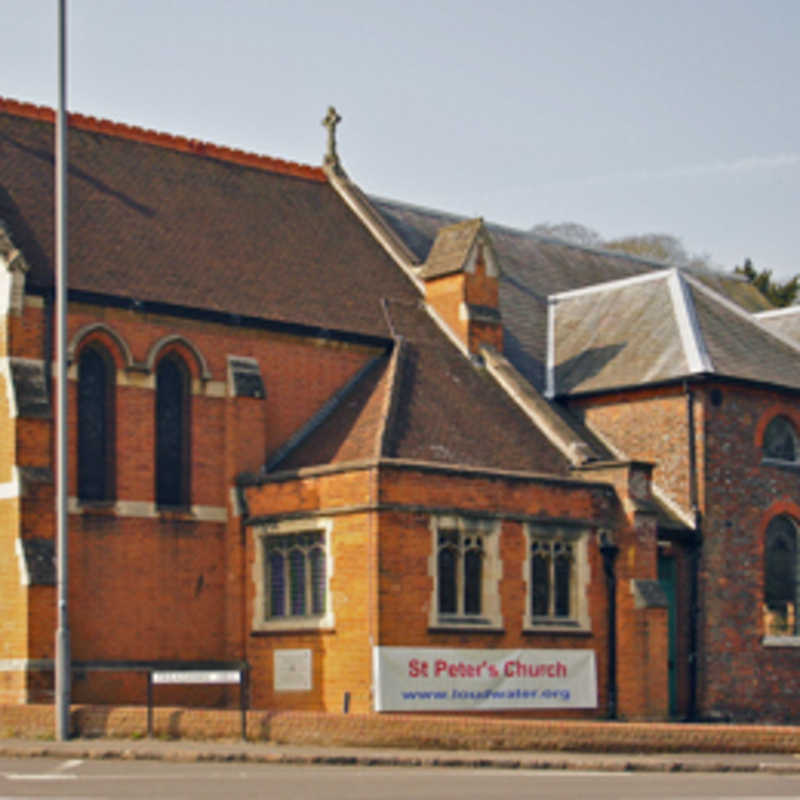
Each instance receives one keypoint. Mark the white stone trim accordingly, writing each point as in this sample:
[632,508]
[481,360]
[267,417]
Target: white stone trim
[10,490]
[147,509]
[550,368]
[445,328]
[694,348]
[34,301]
[137,380]
[24,575]
[777,312]
[25,664]
[489,259]
[210,513]
[471,259]
[5,373]
[176,338]
[324,622]
[87,330]
[372,220]
[619,283]
[214,389]
[580,620]
[781,641]
[491,617]
[234,502]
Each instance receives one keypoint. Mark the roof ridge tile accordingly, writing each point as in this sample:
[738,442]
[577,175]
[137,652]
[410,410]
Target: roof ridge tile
[169,141]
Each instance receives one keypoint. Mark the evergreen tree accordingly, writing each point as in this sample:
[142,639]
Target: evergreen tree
[779,294]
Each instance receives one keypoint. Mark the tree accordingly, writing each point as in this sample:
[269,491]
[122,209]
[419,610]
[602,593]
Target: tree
[572,232]
[654,247]
[779,294]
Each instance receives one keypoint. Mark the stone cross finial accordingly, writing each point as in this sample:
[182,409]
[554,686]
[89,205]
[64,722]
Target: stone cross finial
[332,119]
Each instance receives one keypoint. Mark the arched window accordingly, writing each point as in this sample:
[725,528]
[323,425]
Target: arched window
[172,432]
[95,426]
[780,440]
[780,578]
[460,572]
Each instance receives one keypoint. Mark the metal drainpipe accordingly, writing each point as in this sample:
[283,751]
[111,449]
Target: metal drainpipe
[609,552]
[694,558]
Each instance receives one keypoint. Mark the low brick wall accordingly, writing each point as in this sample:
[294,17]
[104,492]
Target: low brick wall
[406,731]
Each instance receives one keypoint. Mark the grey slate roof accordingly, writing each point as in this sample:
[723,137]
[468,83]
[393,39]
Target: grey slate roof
[620,334]
[660,328]
[531,267]
[783,321]
[739,346]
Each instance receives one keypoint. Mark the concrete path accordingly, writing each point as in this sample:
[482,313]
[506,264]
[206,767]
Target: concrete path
[270,752]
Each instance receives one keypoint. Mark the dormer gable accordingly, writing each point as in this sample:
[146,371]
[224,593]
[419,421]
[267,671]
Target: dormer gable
[461,279]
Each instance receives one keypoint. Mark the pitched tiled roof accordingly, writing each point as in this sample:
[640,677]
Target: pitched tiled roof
[169,220]
[446,410]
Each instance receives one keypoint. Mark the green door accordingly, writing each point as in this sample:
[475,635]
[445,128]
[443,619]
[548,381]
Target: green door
[666,576]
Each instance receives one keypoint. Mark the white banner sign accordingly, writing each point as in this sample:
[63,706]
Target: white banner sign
[435,679]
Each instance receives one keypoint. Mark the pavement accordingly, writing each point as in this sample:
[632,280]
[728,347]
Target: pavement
[187,751]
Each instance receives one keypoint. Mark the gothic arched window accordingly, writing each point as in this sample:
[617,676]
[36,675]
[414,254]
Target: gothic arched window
[780,578]
[780,440]
[95,426]
[172,432]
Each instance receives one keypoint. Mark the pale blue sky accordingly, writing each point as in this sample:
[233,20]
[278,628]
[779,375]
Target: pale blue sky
[629,116]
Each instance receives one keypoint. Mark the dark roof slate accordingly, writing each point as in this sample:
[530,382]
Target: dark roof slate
[619,334]
[739,346]
[446,410]
[784,322]
[531,268]
[174,225]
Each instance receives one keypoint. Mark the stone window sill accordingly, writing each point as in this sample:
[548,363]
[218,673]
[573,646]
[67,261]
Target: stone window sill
[104,508]
[781,641]
[794,466]
[471,624]
[295,625]
[560,628]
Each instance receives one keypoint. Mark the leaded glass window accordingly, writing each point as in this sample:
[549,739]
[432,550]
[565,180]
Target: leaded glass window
[172,433]
[780,440]
[95,426]
[295,575]
[552,577]
[780,578]
[460,572]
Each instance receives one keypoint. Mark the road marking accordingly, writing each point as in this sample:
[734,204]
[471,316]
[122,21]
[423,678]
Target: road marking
[48,776]
[71,764]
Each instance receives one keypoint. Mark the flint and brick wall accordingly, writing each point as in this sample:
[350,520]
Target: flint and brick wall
[742,678]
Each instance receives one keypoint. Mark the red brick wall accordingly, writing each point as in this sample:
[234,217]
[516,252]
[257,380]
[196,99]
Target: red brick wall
[168,586]
[648,425]
[387,602]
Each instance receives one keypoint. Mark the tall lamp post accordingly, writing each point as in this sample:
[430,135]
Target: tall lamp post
[63,672]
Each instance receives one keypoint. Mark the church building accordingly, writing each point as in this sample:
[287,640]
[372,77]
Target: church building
[385,457]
